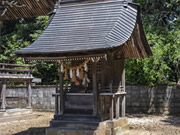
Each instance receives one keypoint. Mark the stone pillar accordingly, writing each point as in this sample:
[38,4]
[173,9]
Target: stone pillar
[3,95]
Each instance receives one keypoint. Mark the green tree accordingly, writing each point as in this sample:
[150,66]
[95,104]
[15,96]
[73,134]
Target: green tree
[17,34]
[161,22]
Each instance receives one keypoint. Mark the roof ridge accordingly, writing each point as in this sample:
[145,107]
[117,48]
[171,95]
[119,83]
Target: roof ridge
[94,3]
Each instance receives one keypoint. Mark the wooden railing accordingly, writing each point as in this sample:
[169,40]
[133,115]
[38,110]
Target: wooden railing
[15,73]
[111,105]
[15,69]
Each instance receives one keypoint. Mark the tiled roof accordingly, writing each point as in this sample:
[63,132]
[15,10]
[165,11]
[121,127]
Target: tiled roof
[86,27]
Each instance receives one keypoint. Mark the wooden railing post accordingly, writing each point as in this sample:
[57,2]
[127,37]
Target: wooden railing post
[117,107]
[111,107]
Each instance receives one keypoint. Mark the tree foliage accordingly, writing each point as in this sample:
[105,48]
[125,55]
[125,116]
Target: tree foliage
[162,26]
[21,33]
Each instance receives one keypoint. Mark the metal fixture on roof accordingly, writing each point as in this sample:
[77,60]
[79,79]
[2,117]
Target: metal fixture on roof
[56,6]
[125,3]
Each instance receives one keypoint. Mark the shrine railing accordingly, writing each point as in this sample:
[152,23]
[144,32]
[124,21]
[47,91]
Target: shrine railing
[111,105]
[15,73]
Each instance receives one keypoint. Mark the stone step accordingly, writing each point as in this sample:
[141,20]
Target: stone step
[77,110]
[89,125]
[59,131]
[78,117]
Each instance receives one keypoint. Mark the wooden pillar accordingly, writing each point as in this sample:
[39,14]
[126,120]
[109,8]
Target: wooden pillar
[61,91]
[29,93]
[95,90]
[123,104]
[3,95]
[110,65]
[56,102]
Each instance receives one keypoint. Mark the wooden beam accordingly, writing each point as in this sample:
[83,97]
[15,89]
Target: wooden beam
[95,90]
[61,91]
[3,95]
[14,70]
[65,58]
[16,65]
[110,66]
[29,93]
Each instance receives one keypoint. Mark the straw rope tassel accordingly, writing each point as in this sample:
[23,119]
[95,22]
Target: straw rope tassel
[74,76]
[81,75]
[66,74]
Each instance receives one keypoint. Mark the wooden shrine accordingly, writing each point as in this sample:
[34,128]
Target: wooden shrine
[91,41]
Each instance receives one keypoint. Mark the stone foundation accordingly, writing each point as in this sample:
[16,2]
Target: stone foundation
[115,127]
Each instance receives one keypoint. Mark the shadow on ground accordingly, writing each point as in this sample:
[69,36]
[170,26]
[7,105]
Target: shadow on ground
[173,120]
[33,131]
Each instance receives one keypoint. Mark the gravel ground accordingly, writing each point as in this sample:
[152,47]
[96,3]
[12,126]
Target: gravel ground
[154,125]
[139,125]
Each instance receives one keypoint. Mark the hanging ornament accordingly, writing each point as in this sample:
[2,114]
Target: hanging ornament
[71,74]
[62,68]
[92,59]
[85,67]
[77,73]
[66,74]
[85,81]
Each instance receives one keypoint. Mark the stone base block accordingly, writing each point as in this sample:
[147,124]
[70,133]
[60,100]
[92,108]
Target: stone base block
[115,127]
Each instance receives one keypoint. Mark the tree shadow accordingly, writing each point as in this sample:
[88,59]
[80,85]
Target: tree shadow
[33,131]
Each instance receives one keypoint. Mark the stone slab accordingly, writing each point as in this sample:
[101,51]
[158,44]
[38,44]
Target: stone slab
[14,112]
[16,118]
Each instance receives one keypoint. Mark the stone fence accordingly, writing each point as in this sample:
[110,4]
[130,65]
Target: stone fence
[140,99]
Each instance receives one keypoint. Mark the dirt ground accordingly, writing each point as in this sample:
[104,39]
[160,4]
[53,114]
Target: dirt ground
[139,125]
